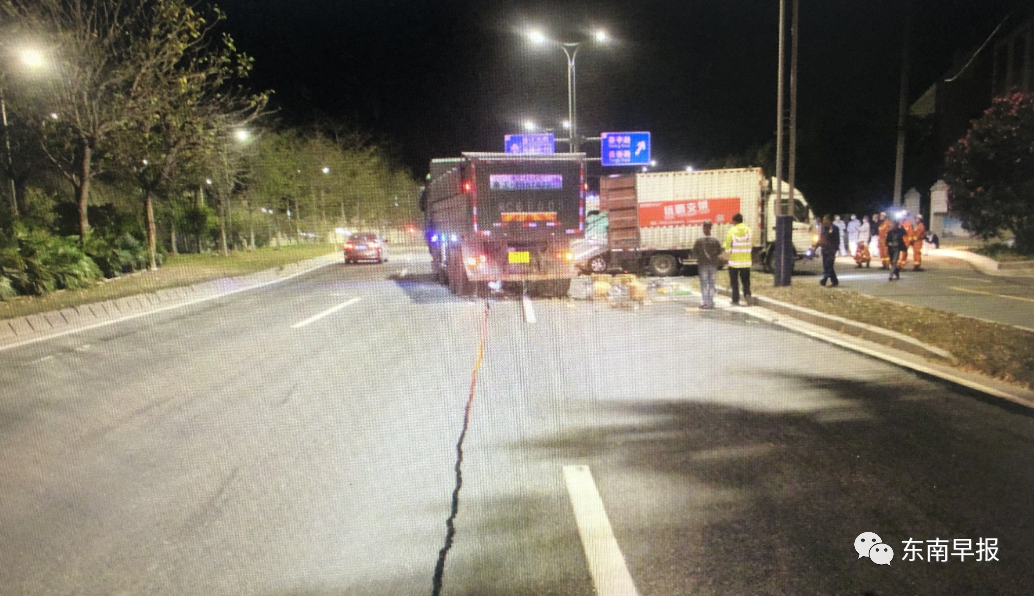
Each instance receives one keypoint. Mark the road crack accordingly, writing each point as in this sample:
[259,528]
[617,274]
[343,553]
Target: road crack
[450,523]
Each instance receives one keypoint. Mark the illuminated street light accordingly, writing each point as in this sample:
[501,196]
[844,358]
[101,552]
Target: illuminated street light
[689,168]
[529,126]
[653,163]
[567,125]
[326,170]
[571,51]
[53,115]
[32,58]
[537,36]
[242,135]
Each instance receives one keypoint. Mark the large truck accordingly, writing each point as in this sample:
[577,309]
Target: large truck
[652,220]
[505,218]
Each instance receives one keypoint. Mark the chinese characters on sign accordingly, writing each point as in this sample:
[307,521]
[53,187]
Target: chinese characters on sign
[686,212]
[941,550]
[625,148]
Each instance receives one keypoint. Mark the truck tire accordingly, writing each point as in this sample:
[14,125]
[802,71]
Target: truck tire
[598,264]
[457,274]
[664,264]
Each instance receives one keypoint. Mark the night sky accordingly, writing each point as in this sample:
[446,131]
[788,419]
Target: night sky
[433,78]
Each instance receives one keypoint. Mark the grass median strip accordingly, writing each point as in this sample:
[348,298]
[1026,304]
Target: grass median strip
[178,271]
[999,351]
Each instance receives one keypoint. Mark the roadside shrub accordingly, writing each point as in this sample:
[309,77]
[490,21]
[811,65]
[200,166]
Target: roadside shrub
[34,262]
[1000,251]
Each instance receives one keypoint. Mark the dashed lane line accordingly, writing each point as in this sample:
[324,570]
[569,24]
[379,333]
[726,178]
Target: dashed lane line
[329,311]
[606,563]
[529,310]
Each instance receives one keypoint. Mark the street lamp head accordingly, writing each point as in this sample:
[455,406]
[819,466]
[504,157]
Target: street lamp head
[653,163]
[32,58]
[601,36]
[326,170]
[53,115]
[208,181]
[567,124]
[689,168]
[537,36]
[242,135]
[529,125]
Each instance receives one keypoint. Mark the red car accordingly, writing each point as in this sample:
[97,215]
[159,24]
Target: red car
[366,246]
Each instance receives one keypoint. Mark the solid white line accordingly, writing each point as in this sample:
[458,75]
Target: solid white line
[606,563]
[329,311]
[33,340]
[983,281]
[529,310]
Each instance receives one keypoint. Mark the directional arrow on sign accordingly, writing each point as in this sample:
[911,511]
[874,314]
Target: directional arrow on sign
[640,147]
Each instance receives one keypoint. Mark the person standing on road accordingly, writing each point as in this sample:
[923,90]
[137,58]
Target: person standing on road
[861,255]
[852,235]
[829,242]
[906,224]
[706,251]
[739,241]
[886,225]
[896,245]
[918,236]
[842,227]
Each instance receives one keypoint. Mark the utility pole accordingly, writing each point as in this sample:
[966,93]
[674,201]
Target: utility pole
[10,158]
[783,246]
[906,50]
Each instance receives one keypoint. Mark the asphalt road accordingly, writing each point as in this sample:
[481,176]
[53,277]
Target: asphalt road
[945,283]
[248,445]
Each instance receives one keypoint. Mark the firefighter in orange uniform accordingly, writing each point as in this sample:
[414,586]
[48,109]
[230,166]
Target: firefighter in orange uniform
[918,235]
[906,224]
[885,226]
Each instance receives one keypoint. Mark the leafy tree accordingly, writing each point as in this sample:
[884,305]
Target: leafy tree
[193,97]
[991,172]
[113,64]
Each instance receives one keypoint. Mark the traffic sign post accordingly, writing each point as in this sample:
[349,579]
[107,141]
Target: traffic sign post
[625,149]
[534,144]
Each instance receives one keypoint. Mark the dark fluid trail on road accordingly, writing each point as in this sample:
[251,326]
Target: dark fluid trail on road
[450,523]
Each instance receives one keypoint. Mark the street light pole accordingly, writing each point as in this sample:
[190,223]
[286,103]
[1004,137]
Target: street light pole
[10,159]
[571,51]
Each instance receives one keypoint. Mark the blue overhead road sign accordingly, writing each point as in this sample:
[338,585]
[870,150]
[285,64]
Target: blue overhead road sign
[536,144]
[625,148]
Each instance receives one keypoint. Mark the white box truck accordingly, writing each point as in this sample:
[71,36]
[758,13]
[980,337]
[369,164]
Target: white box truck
[653,219]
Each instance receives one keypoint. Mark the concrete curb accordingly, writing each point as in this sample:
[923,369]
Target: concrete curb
[20,330]
[864,331]
[904,359]
[987,265]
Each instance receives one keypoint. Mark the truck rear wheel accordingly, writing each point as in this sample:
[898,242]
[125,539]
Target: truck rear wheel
[664,264]
[598,264]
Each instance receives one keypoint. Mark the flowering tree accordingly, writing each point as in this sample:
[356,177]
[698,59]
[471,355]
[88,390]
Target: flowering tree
[991,172]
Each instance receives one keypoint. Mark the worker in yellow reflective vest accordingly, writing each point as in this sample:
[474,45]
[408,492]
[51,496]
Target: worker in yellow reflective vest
[739,243]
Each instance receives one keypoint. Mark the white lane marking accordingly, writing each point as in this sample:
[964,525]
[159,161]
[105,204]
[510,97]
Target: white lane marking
[529,310]
[983,281]
[329,311]
[606,563]
[33,340]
